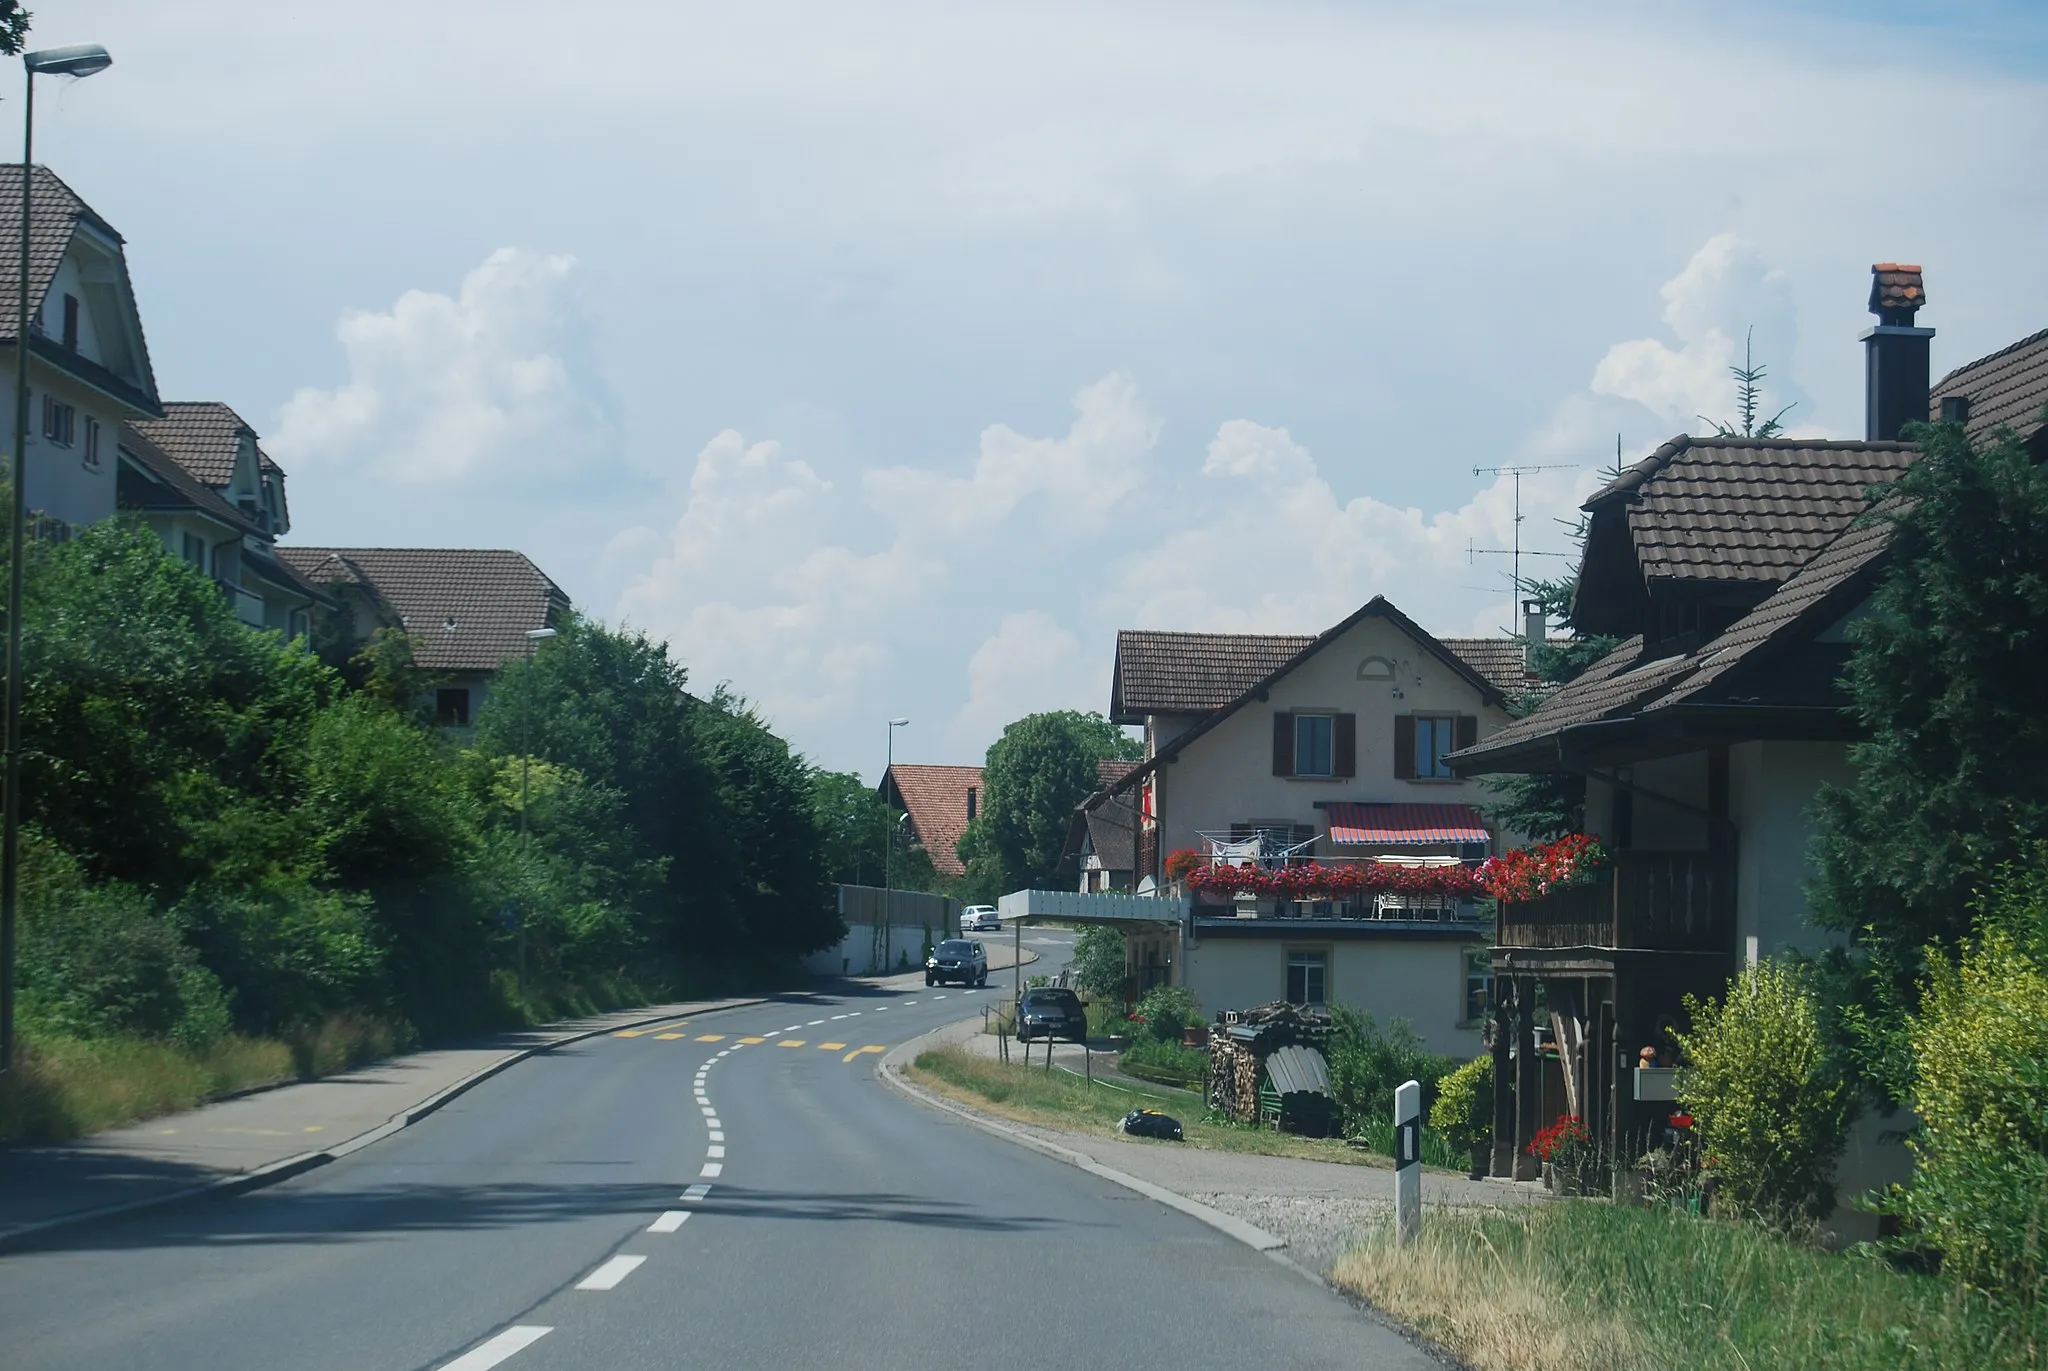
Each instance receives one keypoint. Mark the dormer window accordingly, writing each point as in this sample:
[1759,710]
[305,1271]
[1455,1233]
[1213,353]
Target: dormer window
[71,322]
[449,623]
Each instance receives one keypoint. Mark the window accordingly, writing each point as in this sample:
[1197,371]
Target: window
[59,421]
[1307,977]
[92,441]
[1478,984]
[71,322]
[1312,744]
[1423,741]
[1315,745]
[972,794]
[451,706]
[193,550]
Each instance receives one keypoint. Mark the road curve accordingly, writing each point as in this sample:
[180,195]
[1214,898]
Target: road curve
[736,1191]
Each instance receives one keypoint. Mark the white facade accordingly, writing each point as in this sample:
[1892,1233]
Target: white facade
[1423,982]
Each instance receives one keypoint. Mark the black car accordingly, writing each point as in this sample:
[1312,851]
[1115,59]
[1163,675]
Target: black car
[957,959]
[1052,1013]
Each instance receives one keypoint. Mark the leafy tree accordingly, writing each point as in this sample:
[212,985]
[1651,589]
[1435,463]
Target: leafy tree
[14,22]
[1042,766]
[1099,960]
[1945,673]
[855,823]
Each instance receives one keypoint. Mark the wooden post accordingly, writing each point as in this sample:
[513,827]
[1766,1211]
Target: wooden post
[1503,1086]
[1407,1161]
[1528,1081]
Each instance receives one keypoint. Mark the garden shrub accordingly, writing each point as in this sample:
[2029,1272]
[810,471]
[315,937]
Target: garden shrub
[1463,1111]
[1098,962]
[1771,1109]
[1366,1066]
[1165,1011]
[1979,1191]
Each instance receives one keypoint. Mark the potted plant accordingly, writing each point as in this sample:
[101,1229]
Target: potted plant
[1567,1153]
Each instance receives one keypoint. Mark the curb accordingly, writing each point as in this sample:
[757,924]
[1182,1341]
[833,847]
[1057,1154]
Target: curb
[890,1069]
[272,1173]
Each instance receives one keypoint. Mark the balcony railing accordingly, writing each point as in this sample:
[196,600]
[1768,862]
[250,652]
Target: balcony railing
[1663,901]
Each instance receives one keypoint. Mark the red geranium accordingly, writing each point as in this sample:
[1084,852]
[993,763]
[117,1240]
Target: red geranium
[1523,874]
[1561,1140]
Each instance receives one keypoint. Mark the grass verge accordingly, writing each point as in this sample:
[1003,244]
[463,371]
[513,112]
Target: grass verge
[1590,1286]
[1061,1100]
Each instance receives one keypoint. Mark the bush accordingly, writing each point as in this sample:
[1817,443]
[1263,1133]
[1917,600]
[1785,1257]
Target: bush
[1366,1066]
[1979,1191]
[1772,1112]
[1463,1111]
[1098,963]
[1166,1011]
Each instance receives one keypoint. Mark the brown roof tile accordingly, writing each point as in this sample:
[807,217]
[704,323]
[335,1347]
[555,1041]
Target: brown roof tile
[1108,773]
[1503,661]
[1612,686]
[2007,388]
[168,485]
[936,799]
[204,436]
[467,609]
[1896,285]
[1748,509]
[1192,673]
[54,212]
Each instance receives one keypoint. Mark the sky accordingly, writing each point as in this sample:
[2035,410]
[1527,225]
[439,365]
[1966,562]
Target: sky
[885,360]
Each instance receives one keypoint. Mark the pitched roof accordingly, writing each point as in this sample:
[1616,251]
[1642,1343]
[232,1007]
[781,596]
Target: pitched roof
[2009,387]
[1108,772]
[54,212]
[936,799]
[1192,673]
[467,609]
[1112,824]
[166,484]
[1612,686]
[1746,509]
[1503,661]
[205,438]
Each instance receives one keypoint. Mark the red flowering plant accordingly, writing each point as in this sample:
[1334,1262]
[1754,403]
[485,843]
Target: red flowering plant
[1569,1150]
[1529,873]
[1524,874]
[1181,863]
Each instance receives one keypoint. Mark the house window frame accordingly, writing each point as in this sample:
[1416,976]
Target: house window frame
[60,421]
[1430,766]
[1476,981]
[1316,960]
[1328,720]
[444,715]
[91,454]
[188,544]
[70,326]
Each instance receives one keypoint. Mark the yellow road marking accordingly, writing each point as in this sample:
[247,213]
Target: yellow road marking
[830,1047]
[753,1040]
[668,1037]
[858,1050]
[629,1033]
[791,1042]
[711,1037]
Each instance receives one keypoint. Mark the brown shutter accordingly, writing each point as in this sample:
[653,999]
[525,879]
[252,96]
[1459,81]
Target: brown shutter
[1468,731]
[1345,747]
[1404,747]
[1283,743]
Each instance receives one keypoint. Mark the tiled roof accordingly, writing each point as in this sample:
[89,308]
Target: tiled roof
[1405,825]
[467,609]
[1896,285]
[203,435]
[936,799]
[2008,387]
[1748,509]
[1192,673]
[1108,773]
[1612,686]
[1113,832]
[173,487]
[1502,661]
[54,212]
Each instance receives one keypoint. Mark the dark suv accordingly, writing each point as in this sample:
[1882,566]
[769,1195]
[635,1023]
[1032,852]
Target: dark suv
[957,959]
[1052,1013]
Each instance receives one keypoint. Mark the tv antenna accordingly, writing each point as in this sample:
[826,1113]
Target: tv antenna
[1516,551]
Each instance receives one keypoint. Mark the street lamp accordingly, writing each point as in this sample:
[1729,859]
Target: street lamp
[82,60]
[889,852]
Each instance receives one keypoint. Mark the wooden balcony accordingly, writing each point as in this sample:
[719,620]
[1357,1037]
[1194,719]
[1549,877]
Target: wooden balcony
[1648,901]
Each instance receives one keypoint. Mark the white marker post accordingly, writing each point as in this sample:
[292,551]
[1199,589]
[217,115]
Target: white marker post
[1407,1162]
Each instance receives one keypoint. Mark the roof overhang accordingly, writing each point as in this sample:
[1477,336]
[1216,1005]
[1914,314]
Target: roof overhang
[1658,733]
[137,402]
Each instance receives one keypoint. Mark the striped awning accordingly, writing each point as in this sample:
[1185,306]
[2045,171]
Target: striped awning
[1405,825]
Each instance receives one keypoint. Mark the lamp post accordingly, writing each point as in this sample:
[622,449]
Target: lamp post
[889,850]
[80,61]
[534,638]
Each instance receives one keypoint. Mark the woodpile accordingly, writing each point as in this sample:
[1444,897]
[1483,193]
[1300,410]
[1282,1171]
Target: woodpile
[1240,1044]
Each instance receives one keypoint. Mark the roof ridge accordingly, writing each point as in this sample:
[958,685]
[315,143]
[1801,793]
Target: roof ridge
[2027,341]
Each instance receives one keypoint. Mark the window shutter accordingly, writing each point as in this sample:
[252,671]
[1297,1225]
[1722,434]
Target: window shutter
[1468,730]
[1404,747]
[1283,742]
[1344,748]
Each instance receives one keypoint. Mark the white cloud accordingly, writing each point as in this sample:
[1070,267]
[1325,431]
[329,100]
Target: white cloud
[1030,664]
[1079,479]
[1724,292]
[443,388]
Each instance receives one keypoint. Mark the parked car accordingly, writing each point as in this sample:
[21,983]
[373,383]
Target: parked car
[980,918]
[957,959]
[1050,1012]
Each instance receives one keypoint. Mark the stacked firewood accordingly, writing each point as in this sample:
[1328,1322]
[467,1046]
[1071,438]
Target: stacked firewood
[1233,1077]
[1239,1046]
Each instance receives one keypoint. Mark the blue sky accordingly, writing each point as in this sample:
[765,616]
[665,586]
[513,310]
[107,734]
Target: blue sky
[887,359]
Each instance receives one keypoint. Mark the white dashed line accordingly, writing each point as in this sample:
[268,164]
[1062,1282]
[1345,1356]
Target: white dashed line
[712,1170]
[696,1193]
[517,1338]
[837,1017]
[938,997]
[717,1136]
[610,1274]
[708,1111]
[814,1023]
[713,1124]
[669,1222]
[715,1150]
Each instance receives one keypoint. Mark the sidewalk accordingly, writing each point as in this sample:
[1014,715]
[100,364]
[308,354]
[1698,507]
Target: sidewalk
[1317,1209]
[265,1137]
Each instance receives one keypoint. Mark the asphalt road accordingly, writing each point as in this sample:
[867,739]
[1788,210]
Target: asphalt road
[547,1220]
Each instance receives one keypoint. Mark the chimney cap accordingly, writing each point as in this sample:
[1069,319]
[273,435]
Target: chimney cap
[1896,288]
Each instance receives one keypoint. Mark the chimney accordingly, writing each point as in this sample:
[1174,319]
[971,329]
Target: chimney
[1895,353]
[1535,632]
